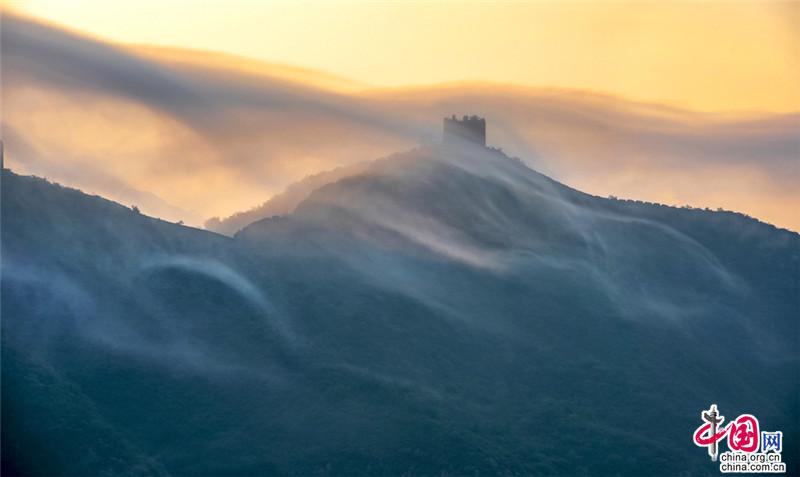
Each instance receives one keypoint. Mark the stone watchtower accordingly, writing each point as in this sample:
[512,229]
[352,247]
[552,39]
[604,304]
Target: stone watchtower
[468,129]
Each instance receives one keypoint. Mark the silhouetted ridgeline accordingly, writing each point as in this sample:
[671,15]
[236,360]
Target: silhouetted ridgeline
[438,312]
[283,203]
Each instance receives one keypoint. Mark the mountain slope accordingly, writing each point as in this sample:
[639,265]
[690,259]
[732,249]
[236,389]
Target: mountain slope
[283,203]
[480,209]
[444,311]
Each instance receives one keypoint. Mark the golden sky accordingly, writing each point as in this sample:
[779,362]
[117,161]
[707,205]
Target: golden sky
[709,56]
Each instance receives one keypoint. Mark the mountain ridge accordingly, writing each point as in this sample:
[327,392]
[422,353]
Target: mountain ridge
[285,202]
[444,312]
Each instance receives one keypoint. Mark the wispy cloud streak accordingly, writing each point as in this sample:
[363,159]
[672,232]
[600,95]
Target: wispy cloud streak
[212,140]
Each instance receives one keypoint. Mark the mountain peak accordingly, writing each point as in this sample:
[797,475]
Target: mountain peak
[389,299]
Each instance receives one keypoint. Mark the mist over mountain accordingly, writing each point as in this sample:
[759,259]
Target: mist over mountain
[446,310]
[188,135]
[284,202]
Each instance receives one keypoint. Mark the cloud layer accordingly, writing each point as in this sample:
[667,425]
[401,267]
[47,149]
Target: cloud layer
[188,136]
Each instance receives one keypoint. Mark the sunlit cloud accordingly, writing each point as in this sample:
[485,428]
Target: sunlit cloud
[187,137]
